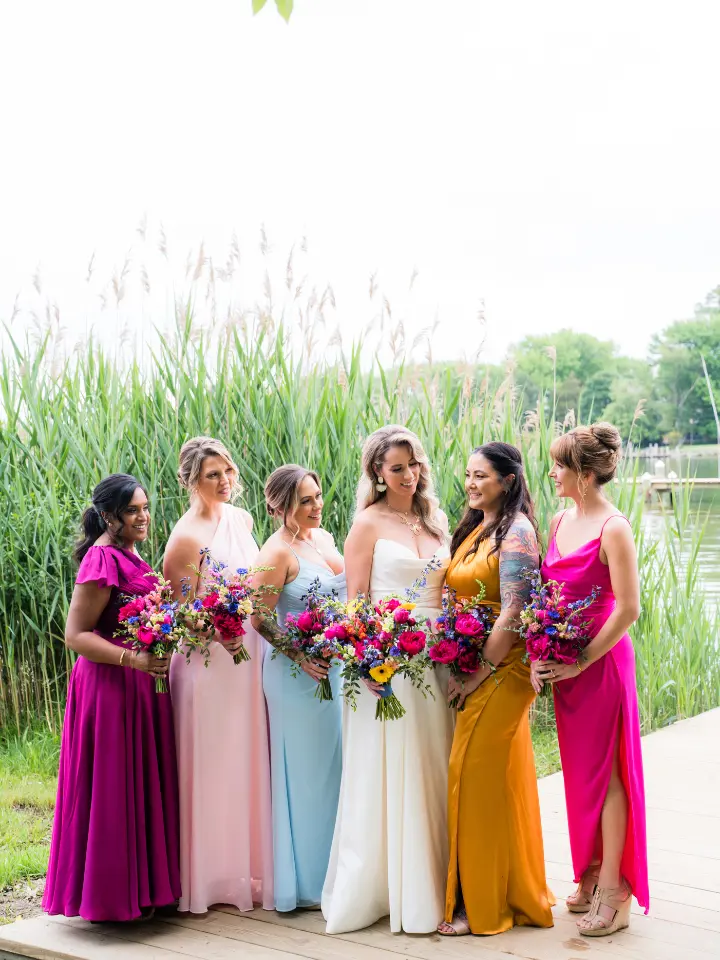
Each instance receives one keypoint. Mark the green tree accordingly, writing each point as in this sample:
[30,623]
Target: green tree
[680,384]
[634,407]
[285,7]
[576,369]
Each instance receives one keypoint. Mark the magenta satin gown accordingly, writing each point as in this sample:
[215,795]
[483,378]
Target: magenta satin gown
[592,711]
[115,839]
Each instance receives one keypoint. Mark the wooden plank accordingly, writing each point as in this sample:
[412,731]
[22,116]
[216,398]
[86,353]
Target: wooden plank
[536,944]
[315,943]
[187,941]
[45,938]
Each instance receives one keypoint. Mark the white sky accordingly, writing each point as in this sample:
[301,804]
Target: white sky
[557,160]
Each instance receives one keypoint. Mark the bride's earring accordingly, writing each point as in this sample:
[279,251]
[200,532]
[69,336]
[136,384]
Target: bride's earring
[381,485]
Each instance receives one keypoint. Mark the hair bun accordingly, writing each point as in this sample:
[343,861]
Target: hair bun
[607,435]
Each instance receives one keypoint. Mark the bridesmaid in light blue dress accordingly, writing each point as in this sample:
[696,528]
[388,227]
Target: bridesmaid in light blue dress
[305,733]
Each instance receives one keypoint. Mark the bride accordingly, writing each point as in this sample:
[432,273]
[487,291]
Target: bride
[390,850]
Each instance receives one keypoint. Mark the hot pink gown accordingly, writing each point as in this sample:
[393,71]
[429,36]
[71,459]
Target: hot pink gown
[223,757]
[592,711]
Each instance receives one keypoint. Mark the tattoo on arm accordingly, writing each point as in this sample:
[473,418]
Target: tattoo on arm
[518,558]
[268,628]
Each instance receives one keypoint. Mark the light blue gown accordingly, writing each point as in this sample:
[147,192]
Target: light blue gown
[305,757]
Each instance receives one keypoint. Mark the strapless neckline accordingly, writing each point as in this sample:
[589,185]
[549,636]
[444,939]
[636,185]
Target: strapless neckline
[410,552]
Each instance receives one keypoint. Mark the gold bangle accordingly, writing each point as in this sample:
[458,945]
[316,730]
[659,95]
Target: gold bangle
[122,657]
[577,664]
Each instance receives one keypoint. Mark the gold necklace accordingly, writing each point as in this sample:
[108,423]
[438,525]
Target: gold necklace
[415,525]
[309,543]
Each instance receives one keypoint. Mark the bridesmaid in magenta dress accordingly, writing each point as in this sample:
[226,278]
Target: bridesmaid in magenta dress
[115,844]
[591,544]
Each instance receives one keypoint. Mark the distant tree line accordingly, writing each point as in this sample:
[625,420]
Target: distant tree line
[590,376]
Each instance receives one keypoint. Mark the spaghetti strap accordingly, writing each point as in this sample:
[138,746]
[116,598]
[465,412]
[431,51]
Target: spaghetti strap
[562,517]
[613,517]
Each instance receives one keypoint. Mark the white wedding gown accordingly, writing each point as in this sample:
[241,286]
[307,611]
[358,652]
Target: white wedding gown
[390,847]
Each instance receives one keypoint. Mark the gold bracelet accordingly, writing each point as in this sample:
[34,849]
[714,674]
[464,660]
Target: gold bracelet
[122,657]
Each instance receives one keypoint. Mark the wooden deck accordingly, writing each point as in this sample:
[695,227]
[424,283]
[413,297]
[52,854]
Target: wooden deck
[682,765]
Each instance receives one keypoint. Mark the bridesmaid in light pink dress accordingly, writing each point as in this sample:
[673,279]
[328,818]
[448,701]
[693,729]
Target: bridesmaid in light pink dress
[221,722]
[591,545]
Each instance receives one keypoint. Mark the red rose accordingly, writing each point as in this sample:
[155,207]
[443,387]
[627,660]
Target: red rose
[131,609]
[444,651]
[145,636]
[229,625]
[468,626]
[210,600]
[469,661]
[411,642]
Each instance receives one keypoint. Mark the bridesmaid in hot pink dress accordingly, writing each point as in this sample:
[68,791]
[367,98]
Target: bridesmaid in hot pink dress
[220,713]
[596,706]
[114,851]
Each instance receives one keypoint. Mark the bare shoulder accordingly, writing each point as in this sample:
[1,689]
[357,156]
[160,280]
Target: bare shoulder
[184,537]
[442,520]
[366,522]
[324,536]
[617,531]
[521,537]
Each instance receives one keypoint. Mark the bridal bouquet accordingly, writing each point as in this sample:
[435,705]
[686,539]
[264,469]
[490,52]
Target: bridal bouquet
[156,623]
[314,633]
[378,642]
[552,628]
[228,599]
[461,632]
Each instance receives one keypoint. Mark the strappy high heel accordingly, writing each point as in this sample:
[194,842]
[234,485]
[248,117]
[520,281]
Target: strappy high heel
[616,915]
[581,900]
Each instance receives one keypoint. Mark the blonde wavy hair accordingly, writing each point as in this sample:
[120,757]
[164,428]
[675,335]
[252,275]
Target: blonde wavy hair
[374,451]
[193,454]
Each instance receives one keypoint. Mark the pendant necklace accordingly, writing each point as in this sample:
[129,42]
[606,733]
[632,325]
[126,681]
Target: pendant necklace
[414,525]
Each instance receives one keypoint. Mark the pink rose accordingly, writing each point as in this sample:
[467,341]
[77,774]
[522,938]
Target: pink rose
[210,600]
[401,615]
[469,661]
[391,604]
[444,651]
[336,631]
[359,649]
[542,615]
[468,626]
[145,636]
[308,622]
[131,609]
[411,642]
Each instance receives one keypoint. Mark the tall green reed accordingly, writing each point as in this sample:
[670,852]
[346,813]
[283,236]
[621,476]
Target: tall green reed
[63,428]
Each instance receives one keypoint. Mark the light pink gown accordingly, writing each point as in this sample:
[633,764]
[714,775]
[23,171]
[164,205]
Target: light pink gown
[221,730]
[594,711]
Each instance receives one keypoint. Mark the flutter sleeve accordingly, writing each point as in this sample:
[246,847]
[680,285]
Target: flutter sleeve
[101,565]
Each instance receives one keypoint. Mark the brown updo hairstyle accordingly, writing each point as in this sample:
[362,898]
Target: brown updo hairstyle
[282,491]
[594,450]
[192,455]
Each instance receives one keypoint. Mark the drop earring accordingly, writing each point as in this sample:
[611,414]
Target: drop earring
[381,485]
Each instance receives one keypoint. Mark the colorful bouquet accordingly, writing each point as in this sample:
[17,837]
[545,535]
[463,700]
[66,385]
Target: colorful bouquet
[156,623]
[228,599]
[381,641]
[461,632]
[313,633]
[552,628]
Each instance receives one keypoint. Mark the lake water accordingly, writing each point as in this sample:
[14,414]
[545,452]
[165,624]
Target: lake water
[706,504]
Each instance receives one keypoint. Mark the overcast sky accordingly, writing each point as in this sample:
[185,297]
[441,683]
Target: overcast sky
[556,161]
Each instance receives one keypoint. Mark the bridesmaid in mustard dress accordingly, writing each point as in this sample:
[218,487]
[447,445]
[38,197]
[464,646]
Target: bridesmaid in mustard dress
[496,876]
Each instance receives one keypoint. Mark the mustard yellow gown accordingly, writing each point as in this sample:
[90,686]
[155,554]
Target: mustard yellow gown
[497,862]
